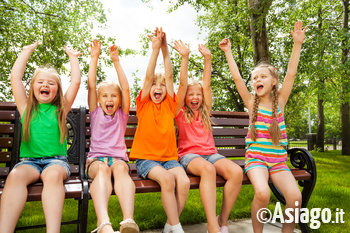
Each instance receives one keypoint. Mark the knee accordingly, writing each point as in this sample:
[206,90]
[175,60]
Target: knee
[167,182]
[234,173]
[262,195]
[15,177]
[294,199]
[54,175]
[103,170]
[208,170]
[183,183]
[121,168]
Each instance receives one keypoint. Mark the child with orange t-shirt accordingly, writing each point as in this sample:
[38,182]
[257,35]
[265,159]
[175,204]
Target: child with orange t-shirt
[154,146]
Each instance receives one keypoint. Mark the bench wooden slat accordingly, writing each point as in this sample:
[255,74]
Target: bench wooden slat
[7,128]
[6,142]
[229,142]
[5,157]
[232,152]
[229,132]
[230,122]
[7,115]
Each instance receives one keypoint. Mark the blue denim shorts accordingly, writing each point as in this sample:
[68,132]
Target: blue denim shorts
[41,163]
[104,159]
[144,166]
[186,159]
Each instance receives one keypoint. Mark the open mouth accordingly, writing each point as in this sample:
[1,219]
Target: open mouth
[194,104]
[157,95]
[110,107]
[259,87]
[44,92]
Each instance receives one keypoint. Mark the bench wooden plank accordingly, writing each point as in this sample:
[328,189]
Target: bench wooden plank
[7,115]
[7,128]
[6,142]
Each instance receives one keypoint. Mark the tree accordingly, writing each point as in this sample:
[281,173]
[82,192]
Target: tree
[54,24]
[345,81]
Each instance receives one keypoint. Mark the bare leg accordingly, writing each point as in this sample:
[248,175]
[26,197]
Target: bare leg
[53,196]
[14,196]
[285,182]
[101,190]
[233,175]
[259,178]
[182,186]
[124,188]
[166,180]
[207,189]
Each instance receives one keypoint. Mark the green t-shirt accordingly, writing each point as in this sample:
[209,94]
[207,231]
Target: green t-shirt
[44,134]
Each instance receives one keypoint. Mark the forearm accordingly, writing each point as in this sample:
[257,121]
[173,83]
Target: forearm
[92,72]
[75,71]
[207,73]
[123,81]
[20,66]
[167,64]
[232,66]
[152,64]
[294,59]
[184,71]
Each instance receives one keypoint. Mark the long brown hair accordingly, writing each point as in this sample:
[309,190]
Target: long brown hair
[274,129]
[33,105]
[203,110]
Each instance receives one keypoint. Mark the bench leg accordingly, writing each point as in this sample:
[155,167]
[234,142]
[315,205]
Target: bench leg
[83,208]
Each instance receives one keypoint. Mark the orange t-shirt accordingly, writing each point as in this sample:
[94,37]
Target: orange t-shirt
[155,134]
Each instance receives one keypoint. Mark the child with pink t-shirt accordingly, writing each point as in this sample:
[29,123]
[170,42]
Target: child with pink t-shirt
[196,146]
[109,111]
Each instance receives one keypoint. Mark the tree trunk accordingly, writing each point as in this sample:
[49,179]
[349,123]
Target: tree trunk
[320,126]
[258,10]
[345,136]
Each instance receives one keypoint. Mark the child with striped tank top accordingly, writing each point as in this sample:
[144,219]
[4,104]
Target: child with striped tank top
[265,155]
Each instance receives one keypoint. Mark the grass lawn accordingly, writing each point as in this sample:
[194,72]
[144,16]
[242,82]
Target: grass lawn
[332,191]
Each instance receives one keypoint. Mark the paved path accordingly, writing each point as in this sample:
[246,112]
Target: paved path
[241,226]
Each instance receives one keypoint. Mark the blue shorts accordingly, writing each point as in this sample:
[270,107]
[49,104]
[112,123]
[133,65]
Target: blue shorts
[104,159]
[41,164]
[144,166]
[186,159]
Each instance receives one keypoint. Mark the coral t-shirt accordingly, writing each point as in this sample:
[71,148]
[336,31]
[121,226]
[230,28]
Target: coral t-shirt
[194,137]
[155,135]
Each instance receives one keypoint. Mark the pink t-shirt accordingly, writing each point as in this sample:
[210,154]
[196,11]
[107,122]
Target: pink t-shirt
[193,137]
[107,134]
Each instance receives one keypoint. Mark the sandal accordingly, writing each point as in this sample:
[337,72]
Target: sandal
[99,228]
[129,226]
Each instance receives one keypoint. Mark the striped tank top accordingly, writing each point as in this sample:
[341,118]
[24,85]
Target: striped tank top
[262,147]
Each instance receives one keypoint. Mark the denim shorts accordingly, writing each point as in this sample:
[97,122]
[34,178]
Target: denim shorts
[186,159]
[144,166]
[104,159]
[41,163]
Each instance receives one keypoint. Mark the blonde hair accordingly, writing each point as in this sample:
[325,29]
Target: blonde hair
[33,105]
[108,83]
[159,77]
[203,110]
[274,129]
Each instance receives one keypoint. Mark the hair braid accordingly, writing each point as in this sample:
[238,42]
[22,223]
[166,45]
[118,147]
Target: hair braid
[252,132]
[274,129]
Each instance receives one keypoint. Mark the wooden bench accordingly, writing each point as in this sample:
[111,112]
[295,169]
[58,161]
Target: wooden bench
[75,187]
[229,133]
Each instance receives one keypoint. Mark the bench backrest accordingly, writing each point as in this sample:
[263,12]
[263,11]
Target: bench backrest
[229,131]
[10,139]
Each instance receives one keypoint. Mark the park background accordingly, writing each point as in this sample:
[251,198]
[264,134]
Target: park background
[258,30]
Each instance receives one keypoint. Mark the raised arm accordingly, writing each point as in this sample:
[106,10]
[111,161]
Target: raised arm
[184,51]
[92,92]
[123,81]
[74,85]
[169,82]
[298,37]
[18,89]
[156,43]
[208,96]
[243,91]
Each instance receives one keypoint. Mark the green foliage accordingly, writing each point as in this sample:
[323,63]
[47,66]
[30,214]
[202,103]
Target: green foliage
[54,24]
